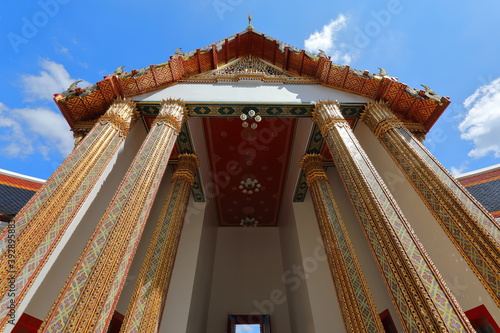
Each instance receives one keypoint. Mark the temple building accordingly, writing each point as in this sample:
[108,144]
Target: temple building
[249,184]
[484,185]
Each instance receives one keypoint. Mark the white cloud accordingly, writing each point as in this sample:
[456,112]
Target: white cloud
[15,142]
[326,40]
[30,130]
[482,121]
[457,171]
[52,79]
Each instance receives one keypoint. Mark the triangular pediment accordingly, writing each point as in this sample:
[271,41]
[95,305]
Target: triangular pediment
[247,56]
[249,68]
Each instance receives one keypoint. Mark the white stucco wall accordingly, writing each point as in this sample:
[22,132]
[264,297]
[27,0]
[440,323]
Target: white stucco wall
[202,284]
[459,277]
[314,271]
[299,305]
[247,278]
[180,293]
[250,91]
[201,290]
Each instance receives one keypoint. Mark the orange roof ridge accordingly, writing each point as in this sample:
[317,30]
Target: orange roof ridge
[21,176]
[417,106]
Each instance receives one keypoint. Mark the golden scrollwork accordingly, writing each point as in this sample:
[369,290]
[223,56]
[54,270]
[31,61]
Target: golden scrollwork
[41,223]
[419,135]
[385,125]
[327,114]
[122,115]
[379,118]
[250,68]
[312,164]
[78,135]
[186,168]
[173,113]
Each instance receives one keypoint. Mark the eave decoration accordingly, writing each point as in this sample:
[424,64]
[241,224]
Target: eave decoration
[269,60]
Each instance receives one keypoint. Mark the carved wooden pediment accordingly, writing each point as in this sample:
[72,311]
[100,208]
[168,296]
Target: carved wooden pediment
[249,68]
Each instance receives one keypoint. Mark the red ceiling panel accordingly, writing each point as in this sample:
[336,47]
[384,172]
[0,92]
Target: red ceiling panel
[249,168]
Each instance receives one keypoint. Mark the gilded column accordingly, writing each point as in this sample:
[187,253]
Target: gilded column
[88,298]
[45,218]
[151,289]
[419,293]
[356,304]
[472,229]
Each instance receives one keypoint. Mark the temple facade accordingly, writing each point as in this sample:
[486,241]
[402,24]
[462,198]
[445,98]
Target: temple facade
[250,184]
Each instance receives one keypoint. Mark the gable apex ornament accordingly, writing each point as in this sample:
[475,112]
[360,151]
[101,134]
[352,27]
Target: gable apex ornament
[249,68]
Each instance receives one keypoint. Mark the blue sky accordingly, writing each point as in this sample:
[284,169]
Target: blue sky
[255,328]
[449,46]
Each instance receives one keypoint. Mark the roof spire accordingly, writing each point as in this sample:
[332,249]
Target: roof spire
[250,21]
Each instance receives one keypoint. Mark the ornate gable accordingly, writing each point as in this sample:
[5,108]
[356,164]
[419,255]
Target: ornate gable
[252,55]
[250,68]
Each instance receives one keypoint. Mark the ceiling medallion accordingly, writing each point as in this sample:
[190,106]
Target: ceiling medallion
[249,186]
[251,116]
[249,222]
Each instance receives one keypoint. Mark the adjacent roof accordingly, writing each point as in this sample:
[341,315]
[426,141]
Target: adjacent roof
[15,191]
[421,107]
[484,185]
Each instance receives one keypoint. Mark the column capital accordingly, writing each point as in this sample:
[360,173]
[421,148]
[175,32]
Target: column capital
[380,118]
[122,114]
[78,135]
[186,169]
[312,164]
[326,114]
[173,112]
